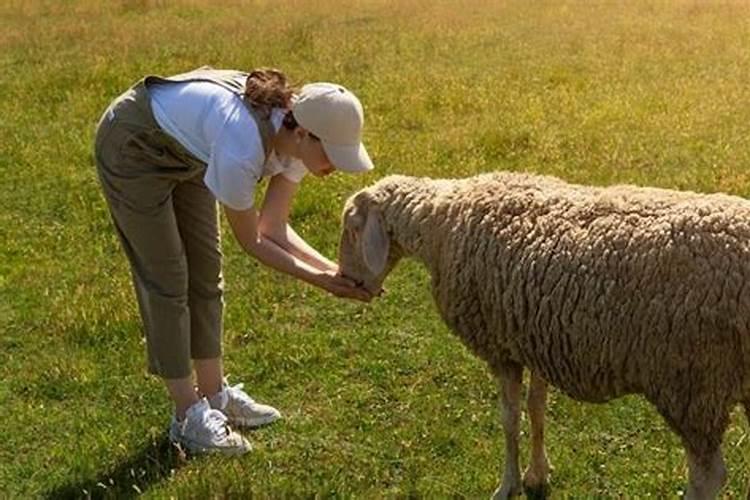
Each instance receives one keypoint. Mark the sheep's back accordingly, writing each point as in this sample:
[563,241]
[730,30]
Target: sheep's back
[604,291]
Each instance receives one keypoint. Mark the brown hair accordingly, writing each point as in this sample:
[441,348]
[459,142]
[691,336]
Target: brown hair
[268,88]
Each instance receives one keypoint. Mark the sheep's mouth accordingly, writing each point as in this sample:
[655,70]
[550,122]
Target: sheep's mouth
[360,283]
[374,291]
[357,282]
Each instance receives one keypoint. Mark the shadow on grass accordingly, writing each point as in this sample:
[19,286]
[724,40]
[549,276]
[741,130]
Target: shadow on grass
[153,463]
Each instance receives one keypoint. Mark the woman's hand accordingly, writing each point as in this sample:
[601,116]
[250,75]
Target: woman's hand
[343,287]
[244,224]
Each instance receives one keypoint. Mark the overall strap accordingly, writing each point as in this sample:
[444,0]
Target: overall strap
[226,78]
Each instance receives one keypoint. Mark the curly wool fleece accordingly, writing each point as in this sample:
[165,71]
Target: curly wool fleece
[601,291]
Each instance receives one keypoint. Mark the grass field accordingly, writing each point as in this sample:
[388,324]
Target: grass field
[380,400]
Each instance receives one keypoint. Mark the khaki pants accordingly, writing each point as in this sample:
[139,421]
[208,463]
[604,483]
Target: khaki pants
[168,226]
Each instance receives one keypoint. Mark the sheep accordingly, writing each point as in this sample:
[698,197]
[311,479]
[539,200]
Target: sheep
[598,291]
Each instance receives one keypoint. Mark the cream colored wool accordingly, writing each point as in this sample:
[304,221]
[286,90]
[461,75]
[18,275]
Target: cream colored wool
[602,292]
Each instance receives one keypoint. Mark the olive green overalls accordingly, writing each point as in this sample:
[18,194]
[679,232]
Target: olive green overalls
[167,222]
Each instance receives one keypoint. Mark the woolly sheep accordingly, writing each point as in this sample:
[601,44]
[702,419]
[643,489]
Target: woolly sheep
[601,292]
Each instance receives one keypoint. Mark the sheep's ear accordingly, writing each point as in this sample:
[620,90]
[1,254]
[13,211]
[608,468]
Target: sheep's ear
[375,243]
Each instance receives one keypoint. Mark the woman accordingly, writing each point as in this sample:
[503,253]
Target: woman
[166,151]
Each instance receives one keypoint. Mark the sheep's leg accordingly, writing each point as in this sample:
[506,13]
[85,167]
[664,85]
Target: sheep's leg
[536,477]
[511,378]
[701,426]
[706,475]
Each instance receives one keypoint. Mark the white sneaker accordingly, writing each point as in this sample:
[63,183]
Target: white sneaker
[241,409]
[205,430]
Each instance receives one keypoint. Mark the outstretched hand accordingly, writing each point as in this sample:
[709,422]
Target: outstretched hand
[343,287]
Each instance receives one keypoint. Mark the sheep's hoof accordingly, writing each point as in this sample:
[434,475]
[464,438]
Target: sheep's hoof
[536,485]
[506,490]
[537,492]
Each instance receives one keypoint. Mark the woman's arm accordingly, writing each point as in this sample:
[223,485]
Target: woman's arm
[274,224]
[302,250]
[244,224]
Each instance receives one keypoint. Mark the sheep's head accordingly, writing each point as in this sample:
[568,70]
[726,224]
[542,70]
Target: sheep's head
[365,253]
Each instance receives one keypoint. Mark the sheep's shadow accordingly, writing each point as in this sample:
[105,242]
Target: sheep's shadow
[154,462]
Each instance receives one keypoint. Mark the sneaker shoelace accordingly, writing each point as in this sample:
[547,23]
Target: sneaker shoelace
[216,423]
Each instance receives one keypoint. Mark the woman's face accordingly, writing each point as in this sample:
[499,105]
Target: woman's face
[313,155]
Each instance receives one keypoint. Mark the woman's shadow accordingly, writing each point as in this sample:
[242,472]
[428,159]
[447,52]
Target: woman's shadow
[154,462]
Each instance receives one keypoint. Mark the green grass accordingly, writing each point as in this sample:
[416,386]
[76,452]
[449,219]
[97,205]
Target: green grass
[380,400]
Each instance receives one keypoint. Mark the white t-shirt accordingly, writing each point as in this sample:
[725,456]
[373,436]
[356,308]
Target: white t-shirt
[214,125]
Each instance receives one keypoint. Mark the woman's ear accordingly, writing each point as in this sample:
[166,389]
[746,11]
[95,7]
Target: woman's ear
[375,242]
[299,134]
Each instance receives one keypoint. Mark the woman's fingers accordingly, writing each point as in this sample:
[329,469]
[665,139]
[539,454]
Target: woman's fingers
[344,281]
[342,286]
[353,292]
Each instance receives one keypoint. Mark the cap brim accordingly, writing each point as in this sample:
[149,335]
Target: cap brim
[348,158]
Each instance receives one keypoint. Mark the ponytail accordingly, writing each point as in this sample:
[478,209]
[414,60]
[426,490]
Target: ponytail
[268,88]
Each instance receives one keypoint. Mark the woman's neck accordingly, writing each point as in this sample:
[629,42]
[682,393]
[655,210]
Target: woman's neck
[285,143]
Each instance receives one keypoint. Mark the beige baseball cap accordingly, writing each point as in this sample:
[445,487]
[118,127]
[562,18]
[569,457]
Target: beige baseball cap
[334,115]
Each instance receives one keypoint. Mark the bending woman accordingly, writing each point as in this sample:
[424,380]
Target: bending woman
[166,151]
